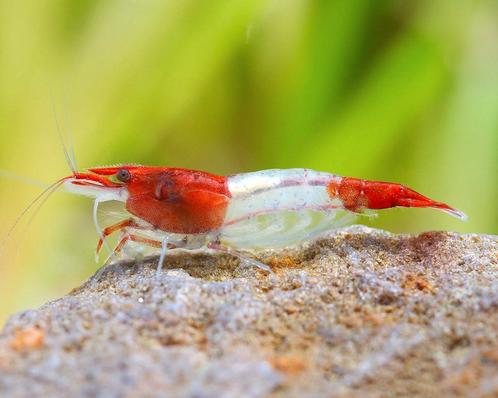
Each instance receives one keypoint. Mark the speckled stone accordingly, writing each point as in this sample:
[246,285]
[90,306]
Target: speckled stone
[360,313]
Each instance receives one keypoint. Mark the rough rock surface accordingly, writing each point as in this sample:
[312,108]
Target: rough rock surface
[359,313]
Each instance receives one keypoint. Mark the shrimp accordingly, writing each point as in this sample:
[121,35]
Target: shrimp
[193,209]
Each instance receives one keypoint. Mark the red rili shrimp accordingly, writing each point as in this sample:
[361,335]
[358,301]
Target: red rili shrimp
[192,209]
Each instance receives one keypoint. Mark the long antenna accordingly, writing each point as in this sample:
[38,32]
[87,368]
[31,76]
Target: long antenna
[47,191]
[41,198]
[25,180]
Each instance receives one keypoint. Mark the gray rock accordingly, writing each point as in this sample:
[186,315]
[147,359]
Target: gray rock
[360,312]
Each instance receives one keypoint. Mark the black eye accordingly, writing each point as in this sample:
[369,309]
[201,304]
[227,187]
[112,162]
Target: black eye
[123,175]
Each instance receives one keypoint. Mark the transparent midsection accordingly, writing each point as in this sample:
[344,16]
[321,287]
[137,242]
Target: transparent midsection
[275,208]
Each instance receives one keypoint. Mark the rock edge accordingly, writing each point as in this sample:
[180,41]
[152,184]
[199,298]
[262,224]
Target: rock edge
[350,314]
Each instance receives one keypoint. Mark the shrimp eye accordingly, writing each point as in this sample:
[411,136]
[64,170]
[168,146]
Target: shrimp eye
[123,175]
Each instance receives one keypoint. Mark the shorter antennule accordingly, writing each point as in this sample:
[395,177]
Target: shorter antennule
[68,154]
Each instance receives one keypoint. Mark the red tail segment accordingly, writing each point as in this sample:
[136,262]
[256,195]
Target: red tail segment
[357,194]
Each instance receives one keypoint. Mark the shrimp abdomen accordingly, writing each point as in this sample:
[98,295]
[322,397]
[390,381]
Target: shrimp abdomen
[272,208]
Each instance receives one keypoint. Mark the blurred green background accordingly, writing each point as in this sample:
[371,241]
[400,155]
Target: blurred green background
[385,89]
